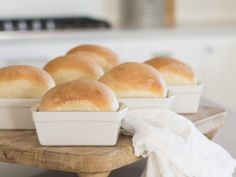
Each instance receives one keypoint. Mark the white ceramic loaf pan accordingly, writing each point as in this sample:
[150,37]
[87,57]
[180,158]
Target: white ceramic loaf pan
[78,128]
[15,113]
[187,98]
[163,103]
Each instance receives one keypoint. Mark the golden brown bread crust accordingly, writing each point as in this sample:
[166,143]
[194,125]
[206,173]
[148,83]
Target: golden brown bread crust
[110,59]
[133,79]
[174,72]
[94,57]
[72,67]
[23,81]
[79,95]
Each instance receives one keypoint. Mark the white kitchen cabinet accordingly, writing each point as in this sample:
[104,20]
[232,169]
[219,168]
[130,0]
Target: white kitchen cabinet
[219,70]
[31,52]
[38,51]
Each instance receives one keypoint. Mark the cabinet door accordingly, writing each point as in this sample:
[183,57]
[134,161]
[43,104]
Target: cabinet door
[35,52]
[38,51]
[220,71]
[189,50]
[25,52]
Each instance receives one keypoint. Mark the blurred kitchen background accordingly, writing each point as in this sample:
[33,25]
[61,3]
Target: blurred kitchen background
[201,33]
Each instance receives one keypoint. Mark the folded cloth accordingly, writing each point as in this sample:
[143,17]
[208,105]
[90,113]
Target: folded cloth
[174,147]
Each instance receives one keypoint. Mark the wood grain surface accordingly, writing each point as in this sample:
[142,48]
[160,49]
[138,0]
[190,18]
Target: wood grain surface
[22,147]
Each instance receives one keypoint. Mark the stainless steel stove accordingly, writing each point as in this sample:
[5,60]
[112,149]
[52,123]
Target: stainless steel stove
[51,24]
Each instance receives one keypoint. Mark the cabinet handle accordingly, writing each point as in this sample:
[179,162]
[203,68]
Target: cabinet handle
[162,54]
[209,49]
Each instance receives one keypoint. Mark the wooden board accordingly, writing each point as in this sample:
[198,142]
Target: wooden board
[22,147]
[170,13]
[208,119]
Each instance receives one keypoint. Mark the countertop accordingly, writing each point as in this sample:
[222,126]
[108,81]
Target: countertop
[119,33]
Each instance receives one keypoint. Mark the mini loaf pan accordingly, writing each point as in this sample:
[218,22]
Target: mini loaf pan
[187,98]
[135,103]
[78,128]
[16,114]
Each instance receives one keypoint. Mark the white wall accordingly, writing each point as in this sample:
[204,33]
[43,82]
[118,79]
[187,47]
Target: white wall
[24,8]
[207,12]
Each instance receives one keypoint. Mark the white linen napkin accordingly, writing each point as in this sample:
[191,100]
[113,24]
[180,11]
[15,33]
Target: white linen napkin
[174,147]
